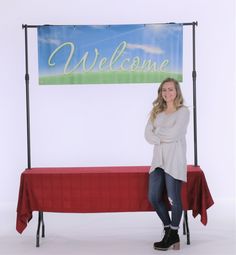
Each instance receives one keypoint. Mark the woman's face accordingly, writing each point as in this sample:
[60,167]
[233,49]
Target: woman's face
[168,92]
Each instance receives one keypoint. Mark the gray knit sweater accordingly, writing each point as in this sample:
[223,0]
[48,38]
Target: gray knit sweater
[167,134]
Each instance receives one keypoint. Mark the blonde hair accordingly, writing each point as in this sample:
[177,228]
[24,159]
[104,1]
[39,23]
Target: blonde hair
[159,104]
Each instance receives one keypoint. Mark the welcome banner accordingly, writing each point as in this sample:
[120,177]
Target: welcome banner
[109,54]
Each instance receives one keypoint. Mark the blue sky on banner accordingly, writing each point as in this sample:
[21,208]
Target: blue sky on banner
[156,42]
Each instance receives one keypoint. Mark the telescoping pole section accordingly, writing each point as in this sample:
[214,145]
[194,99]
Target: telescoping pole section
[27,98]
[194,77]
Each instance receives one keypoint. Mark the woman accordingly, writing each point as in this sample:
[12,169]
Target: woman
[166,130]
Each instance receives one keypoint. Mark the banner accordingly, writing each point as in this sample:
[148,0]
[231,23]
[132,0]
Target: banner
[109,54]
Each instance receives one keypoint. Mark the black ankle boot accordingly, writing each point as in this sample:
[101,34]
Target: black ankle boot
[172,239]
[157,244]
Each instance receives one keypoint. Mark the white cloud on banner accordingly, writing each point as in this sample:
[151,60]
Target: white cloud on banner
[146,48]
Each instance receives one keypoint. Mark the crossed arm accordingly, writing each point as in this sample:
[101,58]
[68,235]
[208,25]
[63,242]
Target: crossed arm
[168,134]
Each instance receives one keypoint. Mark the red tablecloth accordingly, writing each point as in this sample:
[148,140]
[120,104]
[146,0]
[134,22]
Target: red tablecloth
[100,189]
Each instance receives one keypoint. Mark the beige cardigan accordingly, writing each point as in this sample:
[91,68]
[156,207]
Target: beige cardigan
[167,133]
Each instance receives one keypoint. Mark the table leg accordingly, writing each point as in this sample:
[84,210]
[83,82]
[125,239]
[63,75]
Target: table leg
[186,227]
[40,221]
[43,226]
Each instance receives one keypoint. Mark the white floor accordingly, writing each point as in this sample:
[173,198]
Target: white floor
[117,233]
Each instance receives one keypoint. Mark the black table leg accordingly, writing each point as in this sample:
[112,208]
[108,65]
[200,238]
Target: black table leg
[40,221]
[186,227]
[43,226]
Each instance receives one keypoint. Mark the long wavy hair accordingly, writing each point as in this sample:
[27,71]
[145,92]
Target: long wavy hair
[159,104]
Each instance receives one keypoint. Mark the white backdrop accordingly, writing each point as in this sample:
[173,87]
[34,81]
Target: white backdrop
[97,125]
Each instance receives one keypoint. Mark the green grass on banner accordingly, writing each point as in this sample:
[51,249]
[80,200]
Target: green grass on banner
[108,78]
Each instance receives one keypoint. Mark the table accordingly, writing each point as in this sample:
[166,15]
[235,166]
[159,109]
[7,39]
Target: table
[100,189]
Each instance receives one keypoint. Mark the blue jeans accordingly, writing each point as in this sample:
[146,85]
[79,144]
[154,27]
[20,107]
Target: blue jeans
[158,181]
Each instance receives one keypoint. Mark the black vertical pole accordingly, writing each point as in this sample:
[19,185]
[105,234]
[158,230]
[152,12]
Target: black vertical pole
[194,76]
[40,213]
[27,98]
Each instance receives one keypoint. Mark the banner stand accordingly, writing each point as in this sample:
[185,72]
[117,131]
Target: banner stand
[194,76]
